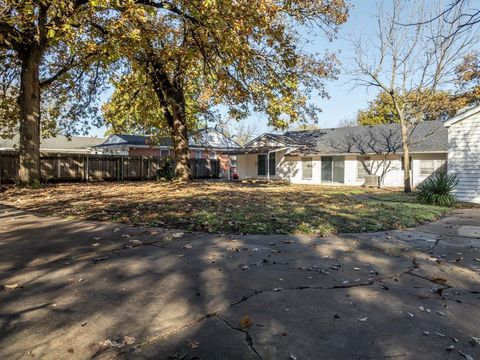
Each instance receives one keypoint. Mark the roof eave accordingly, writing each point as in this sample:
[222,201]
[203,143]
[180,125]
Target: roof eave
[462,116]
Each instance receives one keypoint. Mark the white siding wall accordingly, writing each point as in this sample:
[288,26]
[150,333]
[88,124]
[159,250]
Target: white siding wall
[290,168]
[294,167]
[464,157]
[439,160]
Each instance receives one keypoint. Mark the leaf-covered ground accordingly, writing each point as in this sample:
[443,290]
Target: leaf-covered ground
[229,207]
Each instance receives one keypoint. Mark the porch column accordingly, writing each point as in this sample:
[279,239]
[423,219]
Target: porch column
[268,165]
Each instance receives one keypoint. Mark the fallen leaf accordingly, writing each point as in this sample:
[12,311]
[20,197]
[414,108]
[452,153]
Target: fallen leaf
[475,341]
[178,234]
[439,280]
[187,246]
[12,286]
[363,319]
[245,321]
[192,344]
[119,343]
[128,340]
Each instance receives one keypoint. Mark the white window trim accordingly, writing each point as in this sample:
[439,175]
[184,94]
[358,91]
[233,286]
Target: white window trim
[367,160]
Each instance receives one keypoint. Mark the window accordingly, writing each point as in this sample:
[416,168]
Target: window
[427,167]
[363,163]
[198,154]
[271,163]
[164,153]
[306,168]
[261,164]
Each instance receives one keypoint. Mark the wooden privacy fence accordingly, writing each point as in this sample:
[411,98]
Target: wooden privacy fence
[90,167]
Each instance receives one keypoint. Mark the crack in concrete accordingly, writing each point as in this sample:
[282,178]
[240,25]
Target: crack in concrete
[410,272]
[248,337]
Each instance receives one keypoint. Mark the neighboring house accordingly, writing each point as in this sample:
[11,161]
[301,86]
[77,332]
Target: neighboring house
[464,153]
[203,144]
[58,144]
[345,155]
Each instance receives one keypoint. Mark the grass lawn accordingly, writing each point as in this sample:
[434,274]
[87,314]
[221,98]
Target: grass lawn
[229,207]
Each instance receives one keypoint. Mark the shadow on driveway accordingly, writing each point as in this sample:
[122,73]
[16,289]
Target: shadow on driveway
[85,290]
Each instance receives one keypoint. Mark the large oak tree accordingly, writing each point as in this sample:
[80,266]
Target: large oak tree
[46,48]
[187,57]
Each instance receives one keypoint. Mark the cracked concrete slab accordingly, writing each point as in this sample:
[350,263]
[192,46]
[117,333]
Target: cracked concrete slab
[182,295]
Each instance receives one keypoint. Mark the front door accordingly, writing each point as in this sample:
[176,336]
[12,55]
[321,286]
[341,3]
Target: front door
[327,168]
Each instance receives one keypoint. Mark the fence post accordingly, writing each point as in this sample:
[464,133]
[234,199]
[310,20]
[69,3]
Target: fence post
[118,168]
[87,173]
[123,165]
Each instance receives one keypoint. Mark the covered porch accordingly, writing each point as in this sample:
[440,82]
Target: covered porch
[262,163]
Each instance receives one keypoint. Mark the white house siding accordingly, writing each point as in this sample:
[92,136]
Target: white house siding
[293,166]
[464,157]
[439,161]
[290,168]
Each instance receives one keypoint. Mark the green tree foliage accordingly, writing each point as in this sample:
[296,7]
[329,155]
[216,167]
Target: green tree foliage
[437,106]
[46,51]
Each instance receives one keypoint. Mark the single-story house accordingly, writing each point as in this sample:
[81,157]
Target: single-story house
[203,144]
[58,144]
[464,153]
[345,155]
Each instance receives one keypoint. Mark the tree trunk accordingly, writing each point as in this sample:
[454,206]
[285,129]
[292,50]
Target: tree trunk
[29,102]
[406,158]
[172,100]
[183,171]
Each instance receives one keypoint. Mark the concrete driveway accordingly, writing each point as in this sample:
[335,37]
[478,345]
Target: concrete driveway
[77,290]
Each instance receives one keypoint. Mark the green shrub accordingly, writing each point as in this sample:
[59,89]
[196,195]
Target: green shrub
[165,170]
[437,190]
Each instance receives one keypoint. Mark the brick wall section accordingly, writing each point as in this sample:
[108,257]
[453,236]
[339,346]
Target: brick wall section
[143,151]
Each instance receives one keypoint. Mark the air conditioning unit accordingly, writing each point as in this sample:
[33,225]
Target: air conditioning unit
[372,181]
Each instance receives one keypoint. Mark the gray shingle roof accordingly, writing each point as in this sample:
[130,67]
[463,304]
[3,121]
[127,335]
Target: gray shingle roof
[428,136]
[57,143]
